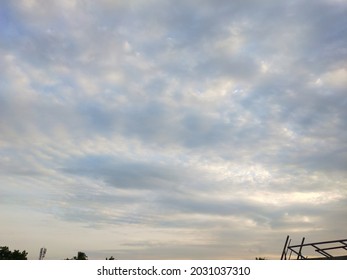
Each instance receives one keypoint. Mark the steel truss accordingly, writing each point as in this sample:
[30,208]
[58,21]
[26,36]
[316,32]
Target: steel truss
[330,250]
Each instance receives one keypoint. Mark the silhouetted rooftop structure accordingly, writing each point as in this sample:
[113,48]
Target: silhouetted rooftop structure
[326,250]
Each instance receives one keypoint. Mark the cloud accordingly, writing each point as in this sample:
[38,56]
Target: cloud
[199,120]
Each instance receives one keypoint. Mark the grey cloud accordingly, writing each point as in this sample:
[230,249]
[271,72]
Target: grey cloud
[242,67]
[130,174]
[154,75]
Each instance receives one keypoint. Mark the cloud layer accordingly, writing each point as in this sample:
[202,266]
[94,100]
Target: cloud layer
[172,129]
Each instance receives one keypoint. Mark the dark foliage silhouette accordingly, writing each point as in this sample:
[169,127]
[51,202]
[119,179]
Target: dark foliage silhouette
[7,254]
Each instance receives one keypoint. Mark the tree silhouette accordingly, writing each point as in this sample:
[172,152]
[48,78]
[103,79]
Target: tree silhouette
[80,256]
[6,254]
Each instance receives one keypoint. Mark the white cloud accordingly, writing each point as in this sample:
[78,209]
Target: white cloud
[336,78]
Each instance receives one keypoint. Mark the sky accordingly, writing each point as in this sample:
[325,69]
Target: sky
[172,129]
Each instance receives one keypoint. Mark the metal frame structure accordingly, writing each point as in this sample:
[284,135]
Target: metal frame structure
[323,250]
